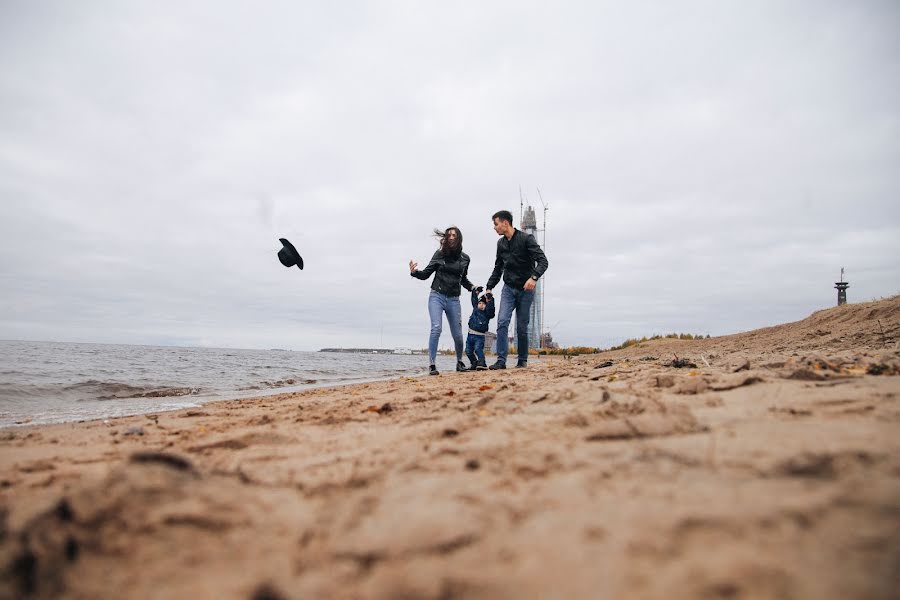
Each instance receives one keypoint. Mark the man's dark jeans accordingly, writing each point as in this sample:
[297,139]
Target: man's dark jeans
[520,301]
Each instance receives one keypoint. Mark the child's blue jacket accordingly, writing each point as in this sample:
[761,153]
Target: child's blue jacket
[480,318]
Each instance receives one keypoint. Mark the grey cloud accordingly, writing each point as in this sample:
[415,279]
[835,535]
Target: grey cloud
[709,166]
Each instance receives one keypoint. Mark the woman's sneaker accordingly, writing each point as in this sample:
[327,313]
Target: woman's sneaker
[461,366]
[432,370]
[497,366]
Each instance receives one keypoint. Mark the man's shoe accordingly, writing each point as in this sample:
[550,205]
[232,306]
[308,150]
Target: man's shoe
[480,366]
[497,366]
[521,364]
[432,370]
[461,366]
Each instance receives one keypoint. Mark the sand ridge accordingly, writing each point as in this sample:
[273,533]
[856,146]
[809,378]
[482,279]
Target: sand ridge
[770,469]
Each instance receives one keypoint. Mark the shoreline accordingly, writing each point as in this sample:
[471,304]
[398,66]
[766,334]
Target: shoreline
[773,472]
[207,400]
[200,400]
[48,412]
[288,391]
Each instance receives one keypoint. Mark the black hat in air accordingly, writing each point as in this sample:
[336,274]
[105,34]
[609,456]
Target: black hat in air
[289,255]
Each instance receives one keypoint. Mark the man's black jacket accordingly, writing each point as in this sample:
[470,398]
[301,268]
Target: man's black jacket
[518,258]
[449,273]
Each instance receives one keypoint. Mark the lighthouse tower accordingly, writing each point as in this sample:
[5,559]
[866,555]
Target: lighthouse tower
[841,286]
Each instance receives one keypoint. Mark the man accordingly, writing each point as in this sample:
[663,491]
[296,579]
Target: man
[522,262]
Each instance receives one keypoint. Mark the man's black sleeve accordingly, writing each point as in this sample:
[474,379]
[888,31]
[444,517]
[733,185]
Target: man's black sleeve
[537,255]
[498,270]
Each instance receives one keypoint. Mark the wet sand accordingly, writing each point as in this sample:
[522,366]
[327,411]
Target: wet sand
[770,469]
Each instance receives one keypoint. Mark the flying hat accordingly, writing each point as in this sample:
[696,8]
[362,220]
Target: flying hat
[289,255]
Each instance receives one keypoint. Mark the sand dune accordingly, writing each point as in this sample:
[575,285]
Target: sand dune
[771,469]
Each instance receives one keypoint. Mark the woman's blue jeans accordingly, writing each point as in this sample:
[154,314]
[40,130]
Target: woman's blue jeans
[437,305]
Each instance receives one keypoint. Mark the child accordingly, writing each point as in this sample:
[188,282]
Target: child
[482,313]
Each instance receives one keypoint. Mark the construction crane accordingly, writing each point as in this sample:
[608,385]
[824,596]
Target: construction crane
[544,246]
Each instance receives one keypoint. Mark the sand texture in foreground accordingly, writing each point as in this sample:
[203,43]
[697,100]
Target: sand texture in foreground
[773,471]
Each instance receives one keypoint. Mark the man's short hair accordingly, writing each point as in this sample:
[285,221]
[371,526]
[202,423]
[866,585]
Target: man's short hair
[503,215]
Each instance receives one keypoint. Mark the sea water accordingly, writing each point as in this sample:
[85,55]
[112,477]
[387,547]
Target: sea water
[53,382]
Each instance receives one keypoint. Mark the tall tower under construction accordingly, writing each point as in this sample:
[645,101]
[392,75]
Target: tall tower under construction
[535,323]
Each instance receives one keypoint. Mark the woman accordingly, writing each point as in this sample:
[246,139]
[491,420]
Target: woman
[450,266]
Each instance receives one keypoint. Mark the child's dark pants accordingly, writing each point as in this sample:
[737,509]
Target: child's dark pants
[475,348]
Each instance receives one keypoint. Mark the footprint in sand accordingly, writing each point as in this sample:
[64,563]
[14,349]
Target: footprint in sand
[244,441]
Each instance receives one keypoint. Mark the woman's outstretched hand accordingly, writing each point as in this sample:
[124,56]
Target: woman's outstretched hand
[412,266]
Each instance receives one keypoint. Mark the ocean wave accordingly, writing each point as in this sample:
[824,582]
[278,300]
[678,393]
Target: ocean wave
[267,385]
[93,389]
[111,390]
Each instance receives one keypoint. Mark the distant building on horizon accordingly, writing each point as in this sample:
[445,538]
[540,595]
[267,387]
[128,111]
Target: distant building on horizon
[547,341]
[535,319]
[490,341]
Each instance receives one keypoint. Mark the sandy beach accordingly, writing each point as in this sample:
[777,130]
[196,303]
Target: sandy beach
[767,468]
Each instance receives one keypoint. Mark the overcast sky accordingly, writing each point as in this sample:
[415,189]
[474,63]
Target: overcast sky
[709,166]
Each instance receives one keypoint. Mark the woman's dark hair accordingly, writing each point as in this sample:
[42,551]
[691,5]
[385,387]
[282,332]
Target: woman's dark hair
[449,248]
[503,215]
